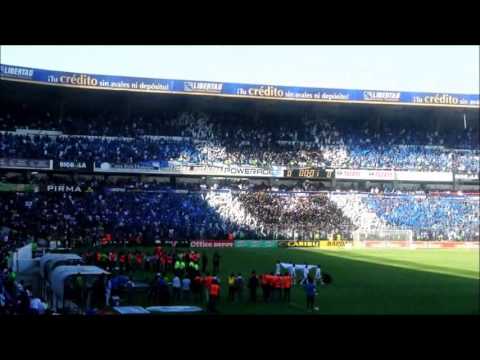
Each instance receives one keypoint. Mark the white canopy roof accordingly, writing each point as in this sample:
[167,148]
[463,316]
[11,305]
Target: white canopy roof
[60,274]
[55,257]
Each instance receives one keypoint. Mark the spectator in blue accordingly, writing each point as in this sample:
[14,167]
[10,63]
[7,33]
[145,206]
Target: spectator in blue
[310,291]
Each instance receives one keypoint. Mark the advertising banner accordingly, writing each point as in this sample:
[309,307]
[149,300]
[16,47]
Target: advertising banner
[76,166]
[126,83]
[256,243]
[375,244]
[471,245]
[332,244]
[5,187]
[466,177]
[293,243]
[386,175]
[32,164]
[190,169]
[211,244]
[435,176]
[176,243]
[325,244]
[446,244]
[65,188]
[398,244]
[391,175]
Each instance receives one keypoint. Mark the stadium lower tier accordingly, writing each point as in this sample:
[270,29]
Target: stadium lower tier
[84,219]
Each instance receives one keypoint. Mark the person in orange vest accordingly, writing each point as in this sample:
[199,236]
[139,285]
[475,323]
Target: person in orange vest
[158,250]
[207,281]
[263,284]
[270,286]
[123,260]
[130,261]
[139,260]
[115,258]
[169,262]
[197,288]
[214,294]
[277,283]
[271,282]
[287,286]
[98,257]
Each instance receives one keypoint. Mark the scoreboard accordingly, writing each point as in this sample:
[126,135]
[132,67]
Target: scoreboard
[310,173]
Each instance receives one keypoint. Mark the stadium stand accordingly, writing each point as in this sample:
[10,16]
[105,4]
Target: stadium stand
[136,215]
[101,134]
[235,138]
[132,210]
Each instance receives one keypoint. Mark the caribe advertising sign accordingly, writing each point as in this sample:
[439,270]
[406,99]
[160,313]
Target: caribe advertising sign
[90,81]
[326,244]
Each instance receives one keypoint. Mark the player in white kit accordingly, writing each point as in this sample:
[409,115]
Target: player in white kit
[293,274]
[305,274]
[318,276]
[277,268]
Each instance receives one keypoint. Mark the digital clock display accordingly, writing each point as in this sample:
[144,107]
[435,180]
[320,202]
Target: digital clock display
[305,173]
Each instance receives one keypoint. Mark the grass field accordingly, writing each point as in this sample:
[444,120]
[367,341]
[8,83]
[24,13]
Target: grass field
[433,281]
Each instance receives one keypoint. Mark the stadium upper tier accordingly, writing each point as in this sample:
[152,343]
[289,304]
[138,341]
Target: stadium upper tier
[199,139]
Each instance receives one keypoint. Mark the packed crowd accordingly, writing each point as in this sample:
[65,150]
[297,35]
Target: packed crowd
[443,217]
[113,150]
[142,217]
[16,298]
[283,214]
[277,215]
[241,141]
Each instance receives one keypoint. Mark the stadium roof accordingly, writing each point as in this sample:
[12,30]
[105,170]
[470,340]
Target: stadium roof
[236,90]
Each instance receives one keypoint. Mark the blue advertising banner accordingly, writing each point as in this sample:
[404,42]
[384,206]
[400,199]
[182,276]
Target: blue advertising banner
[80,80]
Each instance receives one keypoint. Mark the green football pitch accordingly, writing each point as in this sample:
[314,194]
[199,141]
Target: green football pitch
[433,281]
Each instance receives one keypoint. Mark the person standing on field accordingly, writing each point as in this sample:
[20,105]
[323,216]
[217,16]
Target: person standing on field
[305,275]
[186,283]
[214,294]
[231,287]
[287,286]
[277,268]
[263,284]
[176,287]
[253,285]
[270,286]
[293,274]
[310,291]
[204,262]
[239,285]
[197,288]
[318,276]
[216,263]
[207,281]
[277,283]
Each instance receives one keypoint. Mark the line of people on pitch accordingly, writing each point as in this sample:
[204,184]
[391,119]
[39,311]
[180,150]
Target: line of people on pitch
[161,260]
[198,289]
